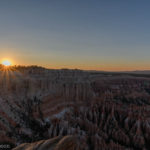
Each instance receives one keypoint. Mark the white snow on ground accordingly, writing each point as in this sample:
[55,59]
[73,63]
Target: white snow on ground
[61,114]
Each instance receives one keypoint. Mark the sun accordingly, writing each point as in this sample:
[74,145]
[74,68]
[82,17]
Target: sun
[6,63]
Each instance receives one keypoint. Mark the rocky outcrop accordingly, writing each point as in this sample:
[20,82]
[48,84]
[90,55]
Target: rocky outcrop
[104,125]
[57,143]
[26,91]
[103,111]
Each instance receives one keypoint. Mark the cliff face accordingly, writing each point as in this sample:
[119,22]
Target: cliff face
[103,111]
[31,95]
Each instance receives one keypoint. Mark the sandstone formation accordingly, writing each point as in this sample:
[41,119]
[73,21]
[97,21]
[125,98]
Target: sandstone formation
[57,143]
[105,111]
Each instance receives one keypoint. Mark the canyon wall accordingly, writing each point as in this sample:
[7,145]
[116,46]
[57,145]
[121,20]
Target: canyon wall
[104,111]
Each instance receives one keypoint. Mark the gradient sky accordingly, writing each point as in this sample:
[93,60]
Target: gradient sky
[85,34]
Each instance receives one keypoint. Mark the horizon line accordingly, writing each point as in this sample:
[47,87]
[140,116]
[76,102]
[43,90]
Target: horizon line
[40,66]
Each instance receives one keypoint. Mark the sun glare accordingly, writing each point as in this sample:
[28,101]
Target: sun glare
[6,63]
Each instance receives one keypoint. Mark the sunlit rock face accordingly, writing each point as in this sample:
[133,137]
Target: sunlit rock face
[57,143]
[105,111]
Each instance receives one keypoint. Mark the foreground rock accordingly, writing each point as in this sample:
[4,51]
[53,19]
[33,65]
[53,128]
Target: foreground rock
[58,143]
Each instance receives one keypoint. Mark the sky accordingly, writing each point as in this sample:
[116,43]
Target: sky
[84,34]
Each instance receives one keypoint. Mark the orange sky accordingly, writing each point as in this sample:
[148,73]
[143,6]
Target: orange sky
[72,64]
